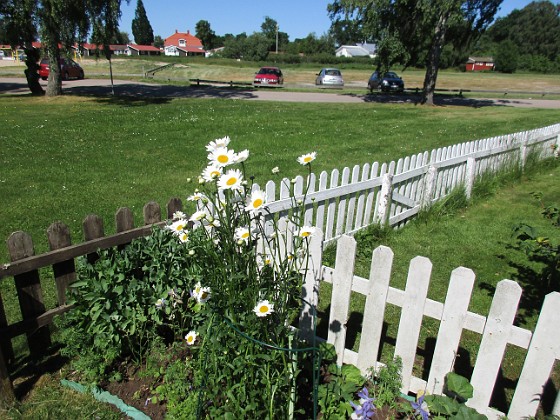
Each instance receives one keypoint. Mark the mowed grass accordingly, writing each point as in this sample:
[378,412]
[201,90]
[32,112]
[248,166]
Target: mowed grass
[67,157]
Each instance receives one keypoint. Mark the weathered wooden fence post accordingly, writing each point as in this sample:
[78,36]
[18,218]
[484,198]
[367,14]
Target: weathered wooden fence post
[152,213]
[384,203]
[6,389]
[523,151]
[470,176]
[175,204]
[30,294]
[93,229]
[430,180]
[58,236]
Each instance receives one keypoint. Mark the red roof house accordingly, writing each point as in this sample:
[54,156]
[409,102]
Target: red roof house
[183,44]
[135,49]
[480,64]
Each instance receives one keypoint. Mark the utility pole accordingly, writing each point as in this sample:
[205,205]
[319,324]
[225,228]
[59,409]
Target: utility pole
[276,39]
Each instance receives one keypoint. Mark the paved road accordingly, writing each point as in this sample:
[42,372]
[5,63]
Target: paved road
[102,87]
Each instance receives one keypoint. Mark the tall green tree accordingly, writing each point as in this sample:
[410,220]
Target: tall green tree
[270,30]
[407,30]
[59,23]
[204,32]
[141,29]
[20,22]
[158,41]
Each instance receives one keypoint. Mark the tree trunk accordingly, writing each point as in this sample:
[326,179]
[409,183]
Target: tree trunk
[51,38]
[432,65]
[32,70]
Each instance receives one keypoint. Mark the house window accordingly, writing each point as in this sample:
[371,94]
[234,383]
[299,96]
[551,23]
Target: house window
[182,43]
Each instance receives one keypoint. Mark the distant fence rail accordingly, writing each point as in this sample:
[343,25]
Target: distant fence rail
[150,73]
[219,82]
[337,203]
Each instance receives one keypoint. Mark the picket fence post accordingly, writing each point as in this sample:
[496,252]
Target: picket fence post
[310,292]
[340,299]
[470,176]
[430,181]
[58,235]
[494,340]
[384,203]
[543,350]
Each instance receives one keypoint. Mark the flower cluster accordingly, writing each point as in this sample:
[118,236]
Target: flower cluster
[366,409]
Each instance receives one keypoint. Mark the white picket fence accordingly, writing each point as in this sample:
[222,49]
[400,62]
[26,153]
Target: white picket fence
[348,200]
[497,329]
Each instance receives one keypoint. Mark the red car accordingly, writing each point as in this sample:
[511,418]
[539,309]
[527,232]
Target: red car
[268,76]
[68,69]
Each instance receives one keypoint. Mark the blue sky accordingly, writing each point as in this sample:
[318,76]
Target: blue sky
[297,18]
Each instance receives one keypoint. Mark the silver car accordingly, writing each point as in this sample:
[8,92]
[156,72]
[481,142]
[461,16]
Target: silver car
[329,77]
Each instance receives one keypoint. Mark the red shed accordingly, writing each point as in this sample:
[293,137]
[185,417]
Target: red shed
[480,64]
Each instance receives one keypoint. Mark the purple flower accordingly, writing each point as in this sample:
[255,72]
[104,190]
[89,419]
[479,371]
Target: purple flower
[420,408]
[366,408]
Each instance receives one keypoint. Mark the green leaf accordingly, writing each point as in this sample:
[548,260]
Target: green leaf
[352,375]
[458,386]
[468,413]
[441,404]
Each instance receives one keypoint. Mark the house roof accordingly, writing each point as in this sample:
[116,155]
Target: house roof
[117,47]
[354,50]
[480,59]
[143,47]
[191,49]
[190,40]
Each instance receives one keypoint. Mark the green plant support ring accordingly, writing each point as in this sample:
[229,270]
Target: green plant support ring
[106,397]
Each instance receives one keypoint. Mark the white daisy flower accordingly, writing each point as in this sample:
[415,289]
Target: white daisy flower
[307,158]
[197,196]
[275,170]
[211,173]
[203,295]
[197,216]
[179,215]
[242,234]
[231,180]
[196,290]
[263,308]
[213,145]
[222,156]
[305,231]
[242,156]
[183,236]
[256,201]
[178,226]
[214,223]
[191,337]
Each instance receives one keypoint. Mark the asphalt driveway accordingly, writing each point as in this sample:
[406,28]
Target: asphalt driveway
[139,90]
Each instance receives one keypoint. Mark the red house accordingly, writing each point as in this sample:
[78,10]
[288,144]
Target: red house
[480,64]
[183,44]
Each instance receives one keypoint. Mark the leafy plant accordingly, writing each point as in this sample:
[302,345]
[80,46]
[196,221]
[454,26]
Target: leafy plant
[452,405]
[338,390]
[540,248]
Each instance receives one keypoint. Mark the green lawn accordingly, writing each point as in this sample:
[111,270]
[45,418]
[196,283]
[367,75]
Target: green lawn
[67,157]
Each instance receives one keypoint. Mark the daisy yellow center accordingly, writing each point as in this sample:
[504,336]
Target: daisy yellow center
[223,159]
[245,235]
[304,234]
[263,309]
[231,181]
[214,173]
[190,339]
[307,159]
[258,202]
[204,295]
[180,227]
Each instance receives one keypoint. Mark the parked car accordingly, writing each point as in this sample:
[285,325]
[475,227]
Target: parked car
[390,82]
[68,69]
[268,76]
[329,76]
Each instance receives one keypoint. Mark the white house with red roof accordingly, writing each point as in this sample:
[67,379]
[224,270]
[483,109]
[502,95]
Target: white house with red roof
[183,44]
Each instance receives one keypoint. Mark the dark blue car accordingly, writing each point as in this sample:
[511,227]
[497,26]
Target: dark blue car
[390,82]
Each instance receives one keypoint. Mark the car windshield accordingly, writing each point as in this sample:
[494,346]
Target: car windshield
[391,75]
[269,71]
[332,72]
